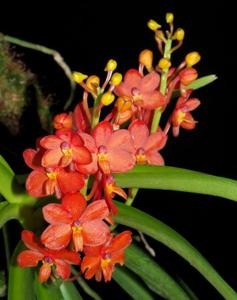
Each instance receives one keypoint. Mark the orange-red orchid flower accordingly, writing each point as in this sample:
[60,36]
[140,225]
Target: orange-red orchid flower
[63,148]
[73,219]
[37,253]
[47,181]
[147,145]
[100,261]
[142,89]
[115,148]
[181,116]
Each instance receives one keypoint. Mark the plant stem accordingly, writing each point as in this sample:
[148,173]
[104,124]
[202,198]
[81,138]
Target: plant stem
[56,56]
[6,245]
[86,288]
[163,86]
[96,111]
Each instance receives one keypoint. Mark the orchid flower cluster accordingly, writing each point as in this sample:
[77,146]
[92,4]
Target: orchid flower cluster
[113,128]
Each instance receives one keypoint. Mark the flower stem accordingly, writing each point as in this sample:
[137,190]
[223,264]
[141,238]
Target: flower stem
[96,112]
[163,86]
[56,56]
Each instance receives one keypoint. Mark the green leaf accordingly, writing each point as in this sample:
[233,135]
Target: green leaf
[154,276]
[202,81]
[177,179]
[197,84]
[5,164]
[21,280]
[69,291]
[85,286]
[156,229]
[9,212]
[3,204]
[131,284]
[188,290]
[46,292]
[10,189]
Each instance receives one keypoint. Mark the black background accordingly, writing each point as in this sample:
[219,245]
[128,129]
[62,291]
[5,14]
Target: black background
[87,34]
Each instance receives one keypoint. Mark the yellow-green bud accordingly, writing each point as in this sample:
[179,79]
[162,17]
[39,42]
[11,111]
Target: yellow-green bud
[146,58]
[153,25]
[179,34]
[78,77]
[107,98]
[192,58]
[164,63]
[116,78]
[169,17]
[111,65]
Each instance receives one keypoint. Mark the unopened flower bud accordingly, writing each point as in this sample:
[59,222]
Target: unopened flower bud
[123,103]
[153,25]
[179,35]
[188,75]
[169,17]
[146,58]
[192,58]
[92,83]
[164,63]
[116,79]
[62,121]
[107,98]
[111,65]
[78,77]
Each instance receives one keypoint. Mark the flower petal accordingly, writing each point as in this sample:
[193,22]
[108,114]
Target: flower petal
[192,104]
[44,272]
[35,183]
[52,158]
[81,155]
[132,78]
[102,133]
[95,233]
[89,142]
[96,210]
[56,237]
[122,140]
[90,265]
[30,241]
[153,100]
[74,203]
[90,168]
[154,158]
[50,142]
[29,258]
[120,242]
[156,141]
[32,158]
[68,256]
[149,82]
[70,182]
[139,133]
[63,269]
[121,161]
[56,214]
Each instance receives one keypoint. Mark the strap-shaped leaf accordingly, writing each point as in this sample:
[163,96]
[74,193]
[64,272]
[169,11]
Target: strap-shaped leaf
[9,212]
[131,284]
[69,291]
[198,83]
[5,164]
[21,280]
[10,189]
[156,229]
[177,179]
[46,292]
[154,276]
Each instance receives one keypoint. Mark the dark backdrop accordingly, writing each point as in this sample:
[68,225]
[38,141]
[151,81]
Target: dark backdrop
[87,34]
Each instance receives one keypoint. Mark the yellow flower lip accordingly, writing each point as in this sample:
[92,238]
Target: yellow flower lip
[52,175]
